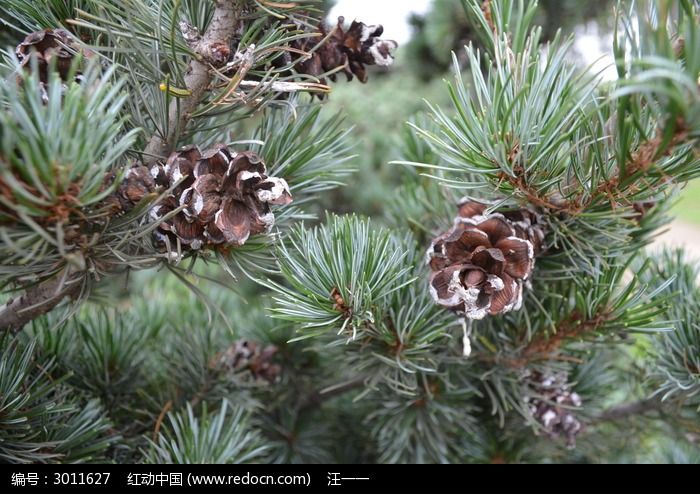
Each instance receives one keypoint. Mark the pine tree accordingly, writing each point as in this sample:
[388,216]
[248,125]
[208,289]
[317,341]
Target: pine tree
[174,292]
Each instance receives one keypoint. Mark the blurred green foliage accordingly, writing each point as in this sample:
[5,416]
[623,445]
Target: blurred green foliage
[379,113]
[8,37]
[688,207]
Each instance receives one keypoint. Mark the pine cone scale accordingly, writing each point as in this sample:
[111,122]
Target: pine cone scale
[248,360]
[221,194]
[519,255]
[233,220]
[553,405]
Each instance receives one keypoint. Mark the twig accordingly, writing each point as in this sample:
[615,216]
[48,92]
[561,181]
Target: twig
[641,160]
[544,346]
[640,407]
[198,77]
[488,15]
[318,397]
[575,326]
[39,300]
[245,63]
[161,417]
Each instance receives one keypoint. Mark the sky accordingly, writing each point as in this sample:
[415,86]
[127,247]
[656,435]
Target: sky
[392,14]
[595,50]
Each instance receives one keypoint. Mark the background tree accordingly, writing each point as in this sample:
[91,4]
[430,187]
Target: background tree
[151,316]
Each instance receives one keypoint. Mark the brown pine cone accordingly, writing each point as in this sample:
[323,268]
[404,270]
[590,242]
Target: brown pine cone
[553,405]
[251,357]
[353,49]
[480,265]
[46,46]
[226,197]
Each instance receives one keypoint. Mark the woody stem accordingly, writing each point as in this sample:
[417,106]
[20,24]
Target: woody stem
[38,300]
[198,78]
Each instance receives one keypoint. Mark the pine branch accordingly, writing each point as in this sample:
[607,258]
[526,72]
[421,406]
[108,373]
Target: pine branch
[627,410]
[320,396]
[640,161]
[198,76]
[46,295]
[575,327]
[39,300]
[221,437]
[545,346]
[615,189]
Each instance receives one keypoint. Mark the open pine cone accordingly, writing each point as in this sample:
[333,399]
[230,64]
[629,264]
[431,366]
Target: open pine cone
[554,404]
[225,196]
[353,49]
[245,356]
[480,265]
[48,45]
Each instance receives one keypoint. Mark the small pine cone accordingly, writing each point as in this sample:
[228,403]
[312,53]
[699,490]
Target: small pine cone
[353,49]
[225,196]
[245,356]
[48,45]
[136,184]
[552,405]
[480,265]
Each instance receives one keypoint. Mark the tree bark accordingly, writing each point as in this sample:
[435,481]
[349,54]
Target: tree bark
[318,397]
[38,300]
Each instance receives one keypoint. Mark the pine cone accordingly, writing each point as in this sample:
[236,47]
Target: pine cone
[248,356]
[48,45]
[352,49]
[136,184]
[226,197]
[552,405]
[480,265]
